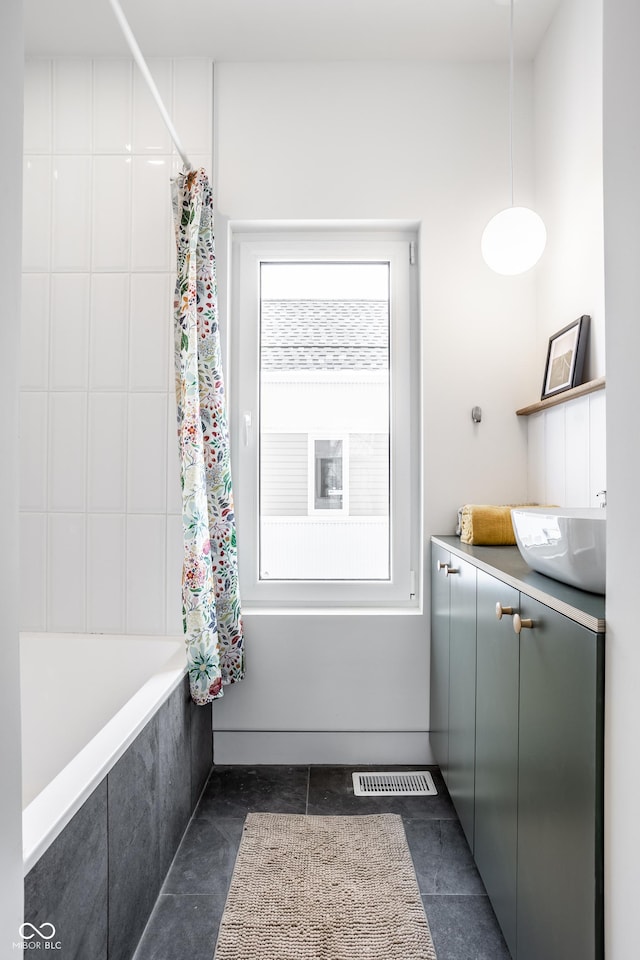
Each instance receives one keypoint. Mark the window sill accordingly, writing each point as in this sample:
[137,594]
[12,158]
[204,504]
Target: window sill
[332,611]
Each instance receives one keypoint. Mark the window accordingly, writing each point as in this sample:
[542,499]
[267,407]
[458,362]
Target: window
[328,466]
[325,407]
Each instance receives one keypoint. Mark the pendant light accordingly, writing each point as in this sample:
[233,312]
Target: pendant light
[513,241]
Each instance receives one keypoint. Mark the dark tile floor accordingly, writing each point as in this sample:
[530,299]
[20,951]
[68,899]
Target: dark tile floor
[185,919]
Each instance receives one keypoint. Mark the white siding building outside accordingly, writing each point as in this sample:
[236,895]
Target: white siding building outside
[324,457]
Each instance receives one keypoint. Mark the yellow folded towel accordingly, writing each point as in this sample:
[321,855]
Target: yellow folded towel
[486,524]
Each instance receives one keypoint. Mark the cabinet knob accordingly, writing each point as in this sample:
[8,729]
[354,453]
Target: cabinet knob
[442,565]
[450,570]
[519,623]
[500,610]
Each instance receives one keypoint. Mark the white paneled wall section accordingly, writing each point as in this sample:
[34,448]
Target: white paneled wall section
[567,452]
[100,505]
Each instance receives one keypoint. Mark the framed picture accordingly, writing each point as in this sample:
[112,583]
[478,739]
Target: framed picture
[565,357]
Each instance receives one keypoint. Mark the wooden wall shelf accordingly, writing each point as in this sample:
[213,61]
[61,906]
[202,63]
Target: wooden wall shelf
[580,391]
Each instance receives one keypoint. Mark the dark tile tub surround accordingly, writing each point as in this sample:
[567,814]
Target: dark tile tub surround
[68,886]
[134,840]
[174,771]
[201,748]
[99,880]
[188,911]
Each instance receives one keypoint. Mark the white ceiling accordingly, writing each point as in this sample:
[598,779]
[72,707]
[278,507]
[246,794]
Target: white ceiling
[254,30]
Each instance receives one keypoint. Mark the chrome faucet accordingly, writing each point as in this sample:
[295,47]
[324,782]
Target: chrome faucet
[601,496]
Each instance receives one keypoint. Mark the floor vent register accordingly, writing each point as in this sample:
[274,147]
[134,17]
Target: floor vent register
[413,783]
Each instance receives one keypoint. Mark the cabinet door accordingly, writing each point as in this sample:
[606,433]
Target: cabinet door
[462,691]
[439,681]
[559,912]
[496,786]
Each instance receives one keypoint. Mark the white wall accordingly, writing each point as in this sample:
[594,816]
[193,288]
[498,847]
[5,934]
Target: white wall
[567,444]
[423,142]
[99,491]
[11,890]
[568,173]
[622,291]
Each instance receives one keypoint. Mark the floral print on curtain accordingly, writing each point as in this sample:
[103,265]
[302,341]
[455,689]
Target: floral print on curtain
[212,619]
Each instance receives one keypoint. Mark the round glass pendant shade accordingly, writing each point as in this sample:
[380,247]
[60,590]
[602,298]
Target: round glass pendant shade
[513,241]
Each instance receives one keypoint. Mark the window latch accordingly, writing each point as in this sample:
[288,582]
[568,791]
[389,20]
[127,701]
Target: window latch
[246,418]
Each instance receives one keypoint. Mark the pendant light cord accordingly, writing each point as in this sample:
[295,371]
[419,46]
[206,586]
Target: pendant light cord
[514,239]
[511,99]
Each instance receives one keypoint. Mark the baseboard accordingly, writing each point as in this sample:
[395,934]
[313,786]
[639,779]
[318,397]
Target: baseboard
[332,747]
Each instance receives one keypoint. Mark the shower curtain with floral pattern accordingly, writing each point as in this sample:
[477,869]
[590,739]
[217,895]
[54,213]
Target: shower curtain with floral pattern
[212,619]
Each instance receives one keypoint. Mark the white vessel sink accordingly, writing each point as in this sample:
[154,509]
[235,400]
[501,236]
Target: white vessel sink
[565,543]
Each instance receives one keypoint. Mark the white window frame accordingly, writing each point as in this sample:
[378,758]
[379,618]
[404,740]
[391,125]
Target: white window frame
[251,244]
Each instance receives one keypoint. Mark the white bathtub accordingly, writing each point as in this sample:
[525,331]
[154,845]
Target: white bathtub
[84,700]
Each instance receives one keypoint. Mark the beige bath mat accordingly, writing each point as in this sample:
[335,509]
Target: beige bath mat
[336,888]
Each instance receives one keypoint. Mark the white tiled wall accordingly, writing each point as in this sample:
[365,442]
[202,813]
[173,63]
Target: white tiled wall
[567,452]
[100,505]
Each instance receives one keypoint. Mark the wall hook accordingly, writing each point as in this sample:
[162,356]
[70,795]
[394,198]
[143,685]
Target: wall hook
[476,414]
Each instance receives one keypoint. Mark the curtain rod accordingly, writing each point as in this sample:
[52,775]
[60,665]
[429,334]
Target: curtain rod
[146,73]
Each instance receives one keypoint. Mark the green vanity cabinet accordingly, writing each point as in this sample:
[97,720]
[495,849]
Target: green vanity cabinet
[439,679]
[496,759]
[462,692]
[517,714]
[559,787]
